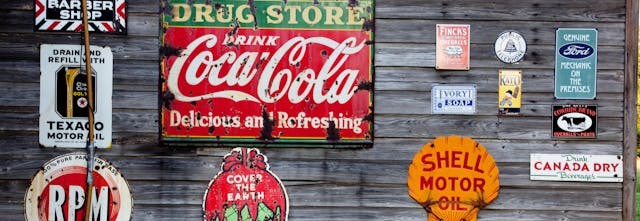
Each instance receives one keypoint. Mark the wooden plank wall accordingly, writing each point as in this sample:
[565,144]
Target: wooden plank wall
[332,184]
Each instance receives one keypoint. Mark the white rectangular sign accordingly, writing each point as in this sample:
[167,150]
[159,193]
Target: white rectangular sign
[64,95]
[453,99]
[576,167]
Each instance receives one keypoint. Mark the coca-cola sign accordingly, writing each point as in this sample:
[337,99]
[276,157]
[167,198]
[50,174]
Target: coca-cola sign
[268,72]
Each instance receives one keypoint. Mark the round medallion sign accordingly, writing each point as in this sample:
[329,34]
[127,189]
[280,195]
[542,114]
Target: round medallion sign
[453,178]
[510,47]
[245,189]
[57,191]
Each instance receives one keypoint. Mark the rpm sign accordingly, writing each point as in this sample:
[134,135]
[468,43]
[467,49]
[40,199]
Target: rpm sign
[57,192]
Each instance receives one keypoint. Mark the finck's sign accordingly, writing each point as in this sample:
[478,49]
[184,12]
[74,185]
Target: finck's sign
[452,178]
[268,71]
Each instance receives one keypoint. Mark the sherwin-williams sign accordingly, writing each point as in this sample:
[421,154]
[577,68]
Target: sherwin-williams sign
[278,72]
[64,96]
[57,191]
[453,178]
[576,167]
[245,189]
[576,63]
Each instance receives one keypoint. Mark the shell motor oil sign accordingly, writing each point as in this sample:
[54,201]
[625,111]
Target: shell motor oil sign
[245,189]
[267,71]
[57,191]
[453,178]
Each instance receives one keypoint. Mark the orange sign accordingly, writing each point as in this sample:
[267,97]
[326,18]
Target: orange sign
[453,178]
[452,47]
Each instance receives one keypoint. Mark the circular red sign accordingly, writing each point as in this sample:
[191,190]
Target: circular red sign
[57,191]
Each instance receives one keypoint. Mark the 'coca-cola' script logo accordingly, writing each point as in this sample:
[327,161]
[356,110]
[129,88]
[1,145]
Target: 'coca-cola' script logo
[198,63]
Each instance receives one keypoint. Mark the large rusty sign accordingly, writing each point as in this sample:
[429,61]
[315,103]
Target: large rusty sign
[264,71]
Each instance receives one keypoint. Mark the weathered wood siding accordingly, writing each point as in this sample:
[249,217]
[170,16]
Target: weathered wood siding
[334,184]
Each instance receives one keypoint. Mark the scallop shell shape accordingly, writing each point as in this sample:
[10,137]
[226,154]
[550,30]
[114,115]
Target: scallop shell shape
[453,178]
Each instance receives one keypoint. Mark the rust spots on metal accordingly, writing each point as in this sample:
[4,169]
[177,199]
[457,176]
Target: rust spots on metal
[333,133]
[232,33]
[166,8]
[368,25]
[167,99]
[267,126]
[168,51]
[252,9]
[364,86]
[354,3]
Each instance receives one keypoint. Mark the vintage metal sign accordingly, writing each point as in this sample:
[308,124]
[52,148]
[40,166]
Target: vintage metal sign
[64,96]
[576,167]
[575,121]
[510,47]
[509,92]
[576,63]
[453,99]
[452,178]
[275,72]
[57,191]
[109,16]
[452,47]
[245,189]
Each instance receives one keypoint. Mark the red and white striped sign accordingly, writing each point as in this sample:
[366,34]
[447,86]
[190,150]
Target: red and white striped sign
[108,16]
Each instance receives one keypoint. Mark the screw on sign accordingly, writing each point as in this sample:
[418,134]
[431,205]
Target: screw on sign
[453,178]
[245,189]
[57,191]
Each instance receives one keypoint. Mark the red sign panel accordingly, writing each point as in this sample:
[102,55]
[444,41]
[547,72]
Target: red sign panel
[58,190]
[452,47]
[245,189]
[248,74]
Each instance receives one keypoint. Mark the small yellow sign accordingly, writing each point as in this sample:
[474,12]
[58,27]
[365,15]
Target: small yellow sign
[452,178]
[509,91]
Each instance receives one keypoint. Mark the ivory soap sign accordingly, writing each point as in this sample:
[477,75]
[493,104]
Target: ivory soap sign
[576,167]
[64,97]
[576,63]
[452,178]
[108,16]
[245,189]
[57,191]
[453,99]
[452,47]
[268,71]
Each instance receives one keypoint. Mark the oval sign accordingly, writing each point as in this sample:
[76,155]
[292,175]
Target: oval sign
[245,189]
[576,50]
[574,122]
[452,178]
[57,191]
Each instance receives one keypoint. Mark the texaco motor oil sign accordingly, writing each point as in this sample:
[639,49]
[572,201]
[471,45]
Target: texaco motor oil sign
[245,189]
[108,16]
[57,191]
[267,71]
[64,96]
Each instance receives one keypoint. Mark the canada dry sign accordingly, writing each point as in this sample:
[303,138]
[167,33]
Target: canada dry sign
[452,178]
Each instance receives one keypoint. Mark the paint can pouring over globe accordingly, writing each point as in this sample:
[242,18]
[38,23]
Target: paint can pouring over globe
[245,189]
